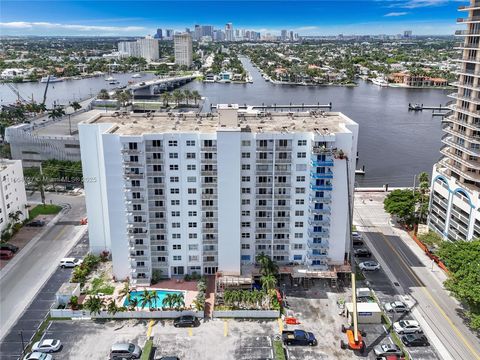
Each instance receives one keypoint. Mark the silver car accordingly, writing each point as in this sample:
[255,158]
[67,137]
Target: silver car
[125,351]
[396,306]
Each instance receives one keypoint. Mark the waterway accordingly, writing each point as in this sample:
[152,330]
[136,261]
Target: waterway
[394,144]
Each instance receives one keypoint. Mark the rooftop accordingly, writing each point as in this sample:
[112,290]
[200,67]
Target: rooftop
[228,118]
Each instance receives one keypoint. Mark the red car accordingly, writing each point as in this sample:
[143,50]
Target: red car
[6,254]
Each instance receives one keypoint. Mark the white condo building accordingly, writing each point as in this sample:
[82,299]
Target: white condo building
[188,192]
[13,197]
[183,49]
[146,48]
[455,190]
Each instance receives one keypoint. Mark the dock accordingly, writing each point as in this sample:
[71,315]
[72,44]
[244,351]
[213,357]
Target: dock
[282,106]
[360,171]
[421,107]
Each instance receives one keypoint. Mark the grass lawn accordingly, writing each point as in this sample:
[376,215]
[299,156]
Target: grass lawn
[278,349]
[147,350]
[44,210]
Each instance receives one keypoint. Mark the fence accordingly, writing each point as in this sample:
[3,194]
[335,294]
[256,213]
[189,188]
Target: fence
[78,314]
[247,314]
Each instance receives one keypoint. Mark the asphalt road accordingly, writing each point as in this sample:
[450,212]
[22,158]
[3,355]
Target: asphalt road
[433,302]
[35,264]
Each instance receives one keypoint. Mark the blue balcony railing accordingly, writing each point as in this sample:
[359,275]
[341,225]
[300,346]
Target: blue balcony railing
[322,163]
[321,187]
[321,199]
[316,256]
[318,245]
[327,175]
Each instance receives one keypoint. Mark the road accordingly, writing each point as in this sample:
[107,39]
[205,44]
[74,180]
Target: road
[415,279]
[21,282]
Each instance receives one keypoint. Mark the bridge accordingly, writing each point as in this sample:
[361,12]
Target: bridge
[156,86]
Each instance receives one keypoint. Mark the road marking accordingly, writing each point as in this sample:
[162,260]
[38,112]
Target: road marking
[149,331]
[225,328]
[280,325]
[60,233]
[190,332]
[417,279]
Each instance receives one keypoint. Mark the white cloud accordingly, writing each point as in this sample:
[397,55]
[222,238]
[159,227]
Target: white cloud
[19,25]
[307,28]
[414,4]
[393,14]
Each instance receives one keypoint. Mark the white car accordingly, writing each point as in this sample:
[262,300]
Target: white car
[369,266]
[396,306]
[407,327]
[47,345]
[70,262]
[38,356]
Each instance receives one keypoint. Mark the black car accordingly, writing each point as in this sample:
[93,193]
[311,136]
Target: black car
[362,252]
[186,321]
[36,223]
[12,248]
[415,340]
[169,358]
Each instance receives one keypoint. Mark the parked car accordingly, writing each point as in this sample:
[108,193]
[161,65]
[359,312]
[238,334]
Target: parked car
[125,351]
[396,306]
[47,345]
[369,266]
[6,254]
[356,235]
[38,356]
[362,252]
[36,223]
[407,327]
[415,340]
[298,337]
[358,242]
[186,321]
[168,358]
[387,349]
[7,246]
[70,262]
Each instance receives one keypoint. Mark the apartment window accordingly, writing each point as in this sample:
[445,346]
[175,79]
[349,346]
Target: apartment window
[172,143]
[191,179]
[176,225]
[300,190]
[135,183]
[301,167]
[175,236]
[245,155]
[245,178]
[245,190]
[193,258]
[298,235]
[192,202]
[245,246]
[299,201]
[192,247]
[301,155]
[175,191]
[283,143]
[132,145]
[297,257]
[192,213]
[297,246]
[302,143]
[209,180]
[262,143]
[261,247]
[177,257]
[300,178]
[157,180]
[173,155]
[192,190]
[139,253]
[174,179]
[133,158]
[175,213]
[173,167]
[156,143]
[157,167]
[209,143]
[246,213]
[175,202]
[192,236]
[192,224]
[245,201]
[245,166]
[190,142]
[157,155]
[298,224]
[138,241]
[140,263]
[299,213]
[191,155]
[245,235]
[161,259]
[245,142]
[245,257]
[245,224]
[177,247]
[161,248]
[191,167]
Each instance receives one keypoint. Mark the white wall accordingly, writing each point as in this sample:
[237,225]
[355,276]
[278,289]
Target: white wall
[12,191]
[229,202]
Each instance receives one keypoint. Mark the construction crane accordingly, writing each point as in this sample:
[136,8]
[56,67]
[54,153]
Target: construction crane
[16,92]
[354,337]
[46,89]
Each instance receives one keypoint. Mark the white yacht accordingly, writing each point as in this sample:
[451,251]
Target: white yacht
[52,79]
[110,78]
[380,82]
[136,76]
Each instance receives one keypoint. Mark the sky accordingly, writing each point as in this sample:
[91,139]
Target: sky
[139,18]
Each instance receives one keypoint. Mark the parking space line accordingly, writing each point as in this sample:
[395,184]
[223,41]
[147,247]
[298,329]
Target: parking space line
[225,328]
[190,332]
[280,325]
[149,331]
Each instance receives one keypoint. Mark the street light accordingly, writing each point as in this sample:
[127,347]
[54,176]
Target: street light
[21,337]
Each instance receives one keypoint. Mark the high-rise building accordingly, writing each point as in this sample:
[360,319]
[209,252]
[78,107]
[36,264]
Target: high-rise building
[158,34]
[455,190]
[13,198]
[186,192]
[169,34]
[197,35]
[407,34]
[146,48]
[183,49]
[284,35]
[229,32]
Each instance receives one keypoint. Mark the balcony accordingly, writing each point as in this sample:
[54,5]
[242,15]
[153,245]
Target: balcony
[466,98]
[324,244]
[324,222]
[152,161]
[469,163]
[322,163]
[134,246]
[321,187]
[463,46]
[317,234]
[212,148]
[312,255]
[463,135]
[470,19]
[465,111]
[321,150]
[326,175]
[448,140]
[456,120]
[474,6]
[132,212]
[325,199]
[209,161]
[209,196]
[467,33]
[133,175]
[128,151]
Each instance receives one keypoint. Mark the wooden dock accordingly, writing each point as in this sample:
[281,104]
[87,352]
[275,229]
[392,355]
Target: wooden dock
[282,106]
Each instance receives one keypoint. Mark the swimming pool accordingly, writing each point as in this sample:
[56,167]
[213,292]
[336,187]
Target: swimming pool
[156,302]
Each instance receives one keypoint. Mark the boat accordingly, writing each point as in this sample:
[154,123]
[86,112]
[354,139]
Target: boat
[114,82]
[380,82]
[416,107]
[136,76]
[110,78]
[52,79]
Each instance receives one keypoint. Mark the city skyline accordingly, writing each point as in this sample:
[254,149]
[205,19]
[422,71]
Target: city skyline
[67,18]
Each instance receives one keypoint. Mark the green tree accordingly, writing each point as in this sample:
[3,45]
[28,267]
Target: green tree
[168,301]
[15,216]
[177,96]
[178,301]
[132,304]
[267,266]
[187,95]
[75,105]
[94,304]
[462,259]
[125,291]
[146,299]
[112,307]
[268,283]
[103,95]
[401,203]
[196,96]
[56,113]
[166,98]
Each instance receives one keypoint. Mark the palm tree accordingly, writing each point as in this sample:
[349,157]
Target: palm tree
[179,301]
[146,299]
[198,305]
[268,283]
[166,97]
[125,291]
[56,113]
[168,301]
[75,105]
[132,304]
[196,96]
[103,95]
[39,183]
[112,307]
[154,298]
[177,96]
[187,94]
[267,266]
[15,216]
[94,304]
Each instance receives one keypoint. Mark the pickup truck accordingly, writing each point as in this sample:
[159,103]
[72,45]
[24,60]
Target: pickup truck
[298,337]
